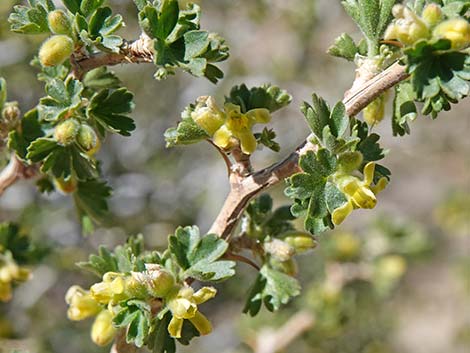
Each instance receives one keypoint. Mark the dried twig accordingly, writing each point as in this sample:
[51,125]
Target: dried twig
[14,171]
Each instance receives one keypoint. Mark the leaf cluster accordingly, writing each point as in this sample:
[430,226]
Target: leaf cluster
[439,76]
[178,40]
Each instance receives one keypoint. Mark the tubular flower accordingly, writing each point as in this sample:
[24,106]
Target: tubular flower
[231,125]
[408,27]
[81,304]
[103,331]
[111,290]
[183,303]
[359,193]
[457,30]
[10,272]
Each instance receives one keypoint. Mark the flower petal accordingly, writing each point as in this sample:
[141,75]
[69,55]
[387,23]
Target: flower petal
[381,184]
[202,324]
[175,326]
[204,294]
[247,141]
[369,173]
[222,137]
[259,115]
[340,214]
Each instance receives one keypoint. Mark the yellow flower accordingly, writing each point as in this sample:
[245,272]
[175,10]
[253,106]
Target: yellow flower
[10,272]
[231,125]
[208,115]
[111,289]
[103,331]
[359,193]
[457,30]
[238,125]
[408,28]
[81,304]
[183,304]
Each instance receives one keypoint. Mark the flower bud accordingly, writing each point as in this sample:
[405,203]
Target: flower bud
[349,161]
[288,267]
[103,331]
[67,186]
[88,139]
[279,249]
[55,50]
[59,22]
[81,304]
[456,30]
[157,280]
[11,112]
[66,131]
[398,11]
[207,115]
[432,14]
[301,242]
[375,111]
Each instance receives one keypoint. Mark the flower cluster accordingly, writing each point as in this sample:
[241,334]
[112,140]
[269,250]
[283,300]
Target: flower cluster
[230,127]
[102,301]
[409,28]
[10,272]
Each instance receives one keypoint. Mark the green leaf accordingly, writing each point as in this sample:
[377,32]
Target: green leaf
[344,47]
[136,317]
[88,6]
[199,256]
[101,28]
[159,340]
[16,242]
[266,96]
[404,109]
[110,109]
[62,98]
[124,258]
[266,138]
[100,78]
[91,199]
[186,132]
[178,40]
[31,19]
[273,288]
[312,191]
[100,264]
[29,130]
[328,127]
[439,77]
[3,93]
[261,221]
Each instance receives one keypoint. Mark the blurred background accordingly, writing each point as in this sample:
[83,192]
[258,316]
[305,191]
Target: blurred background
[396,279]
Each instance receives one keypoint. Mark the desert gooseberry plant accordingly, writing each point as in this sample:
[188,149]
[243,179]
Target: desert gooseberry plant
[413,55]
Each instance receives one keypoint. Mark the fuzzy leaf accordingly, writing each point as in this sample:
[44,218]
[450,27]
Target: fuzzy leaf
[110,109]
[30,129]
[31,19]
[344,47]
[198,255]
[62,98]
[312,192]
[266,96]
[273,288]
